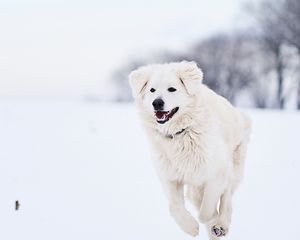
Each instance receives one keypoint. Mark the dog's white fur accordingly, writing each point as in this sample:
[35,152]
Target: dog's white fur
[208,156]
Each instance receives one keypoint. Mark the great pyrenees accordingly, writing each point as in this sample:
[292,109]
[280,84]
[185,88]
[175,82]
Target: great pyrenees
[199,140]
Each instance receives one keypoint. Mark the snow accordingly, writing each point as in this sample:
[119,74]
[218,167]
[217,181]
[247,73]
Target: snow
[84,171]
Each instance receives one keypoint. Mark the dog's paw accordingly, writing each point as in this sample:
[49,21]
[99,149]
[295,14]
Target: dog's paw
[189,225]
[219,231]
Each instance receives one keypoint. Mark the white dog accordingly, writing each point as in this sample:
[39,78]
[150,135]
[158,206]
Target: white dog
[199,138]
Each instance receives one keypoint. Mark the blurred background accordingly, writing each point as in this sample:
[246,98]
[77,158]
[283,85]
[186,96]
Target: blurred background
[249,50]
[74,160]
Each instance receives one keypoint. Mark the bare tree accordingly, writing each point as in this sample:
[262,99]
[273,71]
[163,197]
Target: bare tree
[271,32]
[290,17]
[279,22]
[227,63]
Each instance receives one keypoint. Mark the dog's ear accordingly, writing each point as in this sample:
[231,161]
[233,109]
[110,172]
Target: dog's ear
[191,76]
[138,80]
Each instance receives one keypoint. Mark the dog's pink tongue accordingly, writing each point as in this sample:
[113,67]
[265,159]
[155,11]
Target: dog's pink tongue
[159,114]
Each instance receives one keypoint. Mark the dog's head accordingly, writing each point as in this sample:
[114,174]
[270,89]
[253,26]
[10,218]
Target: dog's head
[166,90]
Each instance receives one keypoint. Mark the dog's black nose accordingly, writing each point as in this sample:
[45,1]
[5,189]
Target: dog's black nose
[158,104]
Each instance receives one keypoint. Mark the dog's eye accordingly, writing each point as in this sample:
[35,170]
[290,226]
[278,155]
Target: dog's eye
[171,89]
[152,90]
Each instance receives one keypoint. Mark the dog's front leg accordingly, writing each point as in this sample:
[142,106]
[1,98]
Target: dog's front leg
[177,208]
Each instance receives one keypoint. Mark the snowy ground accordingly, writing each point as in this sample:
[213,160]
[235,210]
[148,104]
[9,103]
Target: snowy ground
[77,170]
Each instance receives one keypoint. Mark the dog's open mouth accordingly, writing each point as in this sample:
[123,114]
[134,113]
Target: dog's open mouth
[164,116]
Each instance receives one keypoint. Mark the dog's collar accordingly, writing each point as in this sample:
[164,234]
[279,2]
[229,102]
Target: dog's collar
[171,136]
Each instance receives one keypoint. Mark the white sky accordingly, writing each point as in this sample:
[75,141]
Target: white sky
[70,48]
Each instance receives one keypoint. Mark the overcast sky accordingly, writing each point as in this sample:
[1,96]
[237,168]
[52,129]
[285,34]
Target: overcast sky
[70,48]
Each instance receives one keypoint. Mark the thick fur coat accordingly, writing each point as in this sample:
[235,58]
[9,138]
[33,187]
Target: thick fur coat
[199,140]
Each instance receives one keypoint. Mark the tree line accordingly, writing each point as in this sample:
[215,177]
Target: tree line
[258,66]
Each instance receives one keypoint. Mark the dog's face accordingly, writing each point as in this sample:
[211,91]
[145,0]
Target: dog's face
[165,90]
